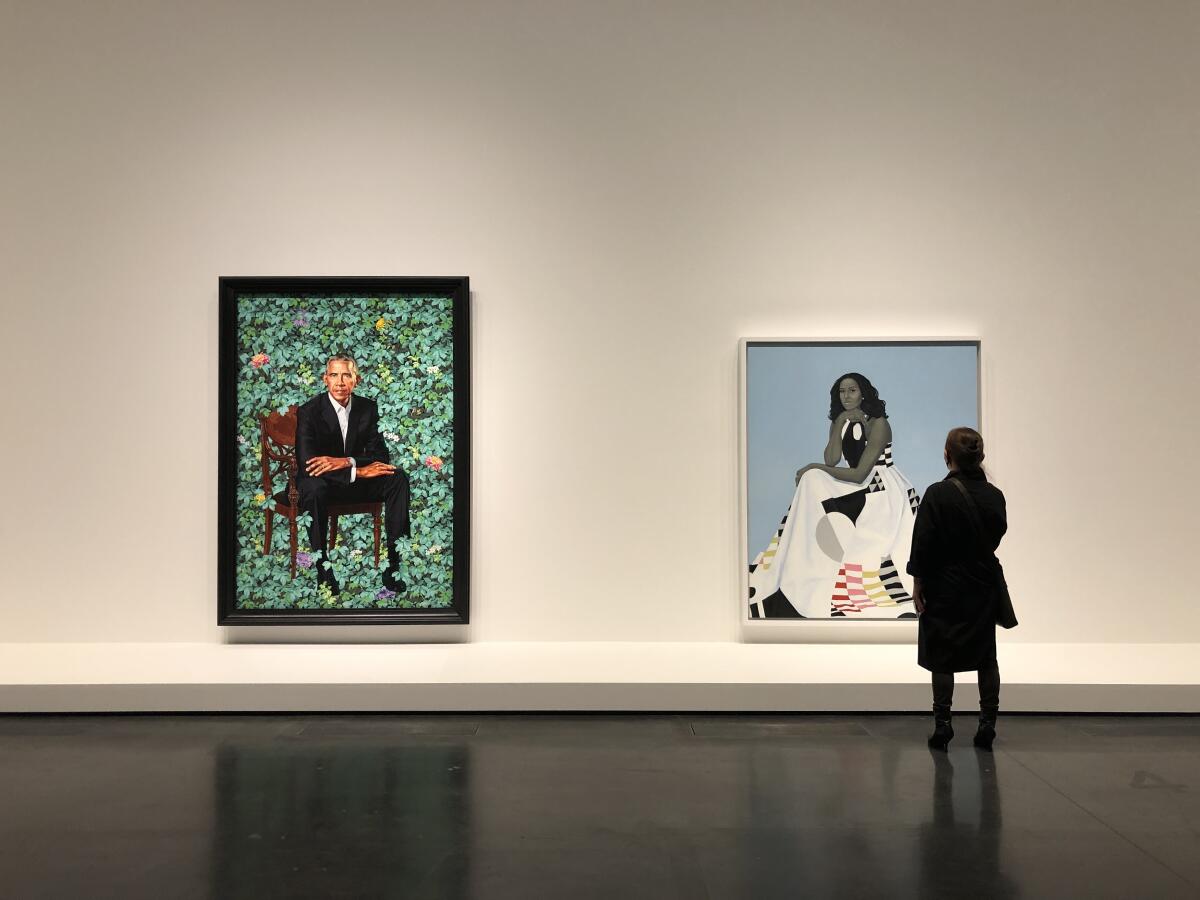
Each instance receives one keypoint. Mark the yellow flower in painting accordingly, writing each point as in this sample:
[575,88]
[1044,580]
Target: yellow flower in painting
[381,324]
[260,497]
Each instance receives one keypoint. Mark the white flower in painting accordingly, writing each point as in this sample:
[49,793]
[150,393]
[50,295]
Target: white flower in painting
[394,438]
[436,548]
[241,439]
[433,370]
[356,553]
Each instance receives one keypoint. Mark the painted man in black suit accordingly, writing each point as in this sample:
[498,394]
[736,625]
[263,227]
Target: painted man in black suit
[342,459]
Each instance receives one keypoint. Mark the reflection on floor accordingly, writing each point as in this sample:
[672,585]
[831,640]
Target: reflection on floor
[595,806]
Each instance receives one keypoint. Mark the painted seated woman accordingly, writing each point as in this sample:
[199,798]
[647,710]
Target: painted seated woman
[842,548]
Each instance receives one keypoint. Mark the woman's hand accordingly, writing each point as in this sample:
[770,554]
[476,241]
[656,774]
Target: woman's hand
[918,596]
[856,415]
[801,472]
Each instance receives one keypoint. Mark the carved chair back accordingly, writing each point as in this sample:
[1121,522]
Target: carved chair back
[279,452]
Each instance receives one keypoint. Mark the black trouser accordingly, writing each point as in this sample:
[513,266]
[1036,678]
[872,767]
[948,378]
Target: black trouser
[989,690]
[317,493]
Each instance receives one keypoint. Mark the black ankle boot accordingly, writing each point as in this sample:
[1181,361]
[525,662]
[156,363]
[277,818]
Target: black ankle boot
[987,730]
[942,731]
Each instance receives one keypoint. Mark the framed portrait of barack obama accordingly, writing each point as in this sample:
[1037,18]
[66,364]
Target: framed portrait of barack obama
[344,458]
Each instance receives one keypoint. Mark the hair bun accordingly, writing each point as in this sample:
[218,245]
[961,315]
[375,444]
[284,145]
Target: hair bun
[965,448]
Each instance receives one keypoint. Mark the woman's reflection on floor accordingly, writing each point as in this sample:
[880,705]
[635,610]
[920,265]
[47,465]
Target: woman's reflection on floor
[960,845]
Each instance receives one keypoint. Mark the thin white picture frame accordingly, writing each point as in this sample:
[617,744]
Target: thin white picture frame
[822,630]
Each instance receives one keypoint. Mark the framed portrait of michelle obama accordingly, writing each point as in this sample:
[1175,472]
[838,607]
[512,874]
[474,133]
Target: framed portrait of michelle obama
[839,440]
[344,455]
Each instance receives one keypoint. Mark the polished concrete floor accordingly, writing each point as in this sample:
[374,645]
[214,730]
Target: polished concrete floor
[687,806]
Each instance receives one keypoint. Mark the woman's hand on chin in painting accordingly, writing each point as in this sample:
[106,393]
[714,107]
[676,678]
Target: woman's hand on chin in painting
[856,415]
[810,467]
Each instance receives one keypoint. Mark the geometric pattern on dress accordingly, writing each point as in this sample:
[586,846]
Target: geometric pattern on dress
[875,591]
[849,593]
[841,599]
[886,459]
[891,582]
[849,505]
[854,585]
[913,500]
[858,590]
[876,483]
[766,557]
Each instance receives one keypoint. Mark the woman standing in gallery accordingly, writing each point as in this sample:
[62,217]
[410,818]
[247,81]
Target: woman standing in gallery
[958,583]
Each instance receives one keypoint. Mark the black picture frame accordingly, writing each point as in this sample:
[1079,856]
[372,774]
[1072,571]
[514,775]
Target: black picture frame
[323,316]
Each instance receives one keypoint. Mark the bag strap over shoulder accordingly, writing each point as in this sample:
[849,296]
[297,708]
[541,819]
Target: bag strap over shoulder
[1006,617]
[973,512]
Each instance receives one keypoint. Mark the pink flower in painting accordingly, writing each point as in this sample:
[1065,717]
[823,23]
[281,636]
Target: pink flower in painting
[258,360]
[301,320]
[435,463]
[304,560]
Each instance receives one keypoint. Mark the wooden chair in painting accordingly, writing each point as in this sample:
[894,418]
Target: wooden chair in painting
[278,442]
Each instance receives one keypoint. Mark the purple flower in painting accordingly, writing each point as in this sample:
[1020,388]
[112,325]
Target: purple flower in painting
[301,320]
[384,594]
[304,560]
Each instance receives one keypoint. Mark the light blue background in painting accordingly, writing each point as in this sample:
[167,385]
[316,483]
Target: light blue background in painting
[929,389]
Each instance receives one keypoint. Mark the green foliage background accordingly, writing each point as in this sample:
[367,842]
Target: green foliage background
[405,355]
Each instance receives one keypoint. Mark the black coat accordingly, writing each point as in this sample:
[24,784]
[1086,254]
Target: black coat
[959,574]
[318,434]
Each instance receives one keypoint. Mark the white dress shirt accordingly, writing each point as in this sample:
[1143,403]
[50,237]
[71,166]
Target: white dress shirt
[343,417]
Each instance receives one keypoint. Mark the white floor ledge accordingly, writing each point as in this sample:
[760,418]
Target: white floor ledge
[582,676]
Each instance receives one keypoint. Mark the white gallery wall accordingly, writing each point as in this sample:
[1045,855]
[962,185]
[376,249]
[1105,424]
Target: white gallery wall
[630,187]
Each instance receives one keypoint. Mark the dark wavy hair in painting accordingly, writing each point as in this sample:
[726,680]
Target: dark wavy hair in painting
[871,404]
[964,446]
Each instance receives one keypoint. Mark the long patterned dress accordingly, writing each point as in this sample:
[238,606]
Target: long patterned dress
[842,548]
